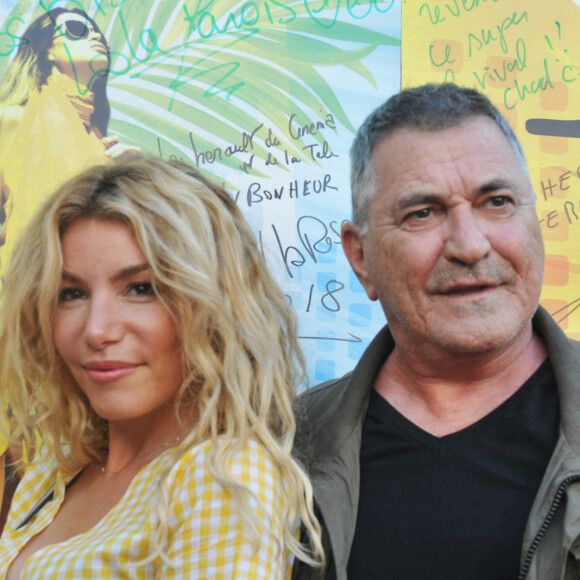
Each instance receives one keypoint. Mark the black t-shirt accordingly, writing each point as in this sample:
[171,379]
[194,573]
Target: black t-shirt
[454,507]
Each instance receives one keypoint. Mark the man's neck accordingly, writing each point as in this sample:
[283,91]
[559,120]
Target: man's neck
[447,394]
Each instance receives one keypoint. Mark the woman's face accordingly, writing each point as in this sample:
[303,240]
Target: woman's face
[79,50]
[117,339]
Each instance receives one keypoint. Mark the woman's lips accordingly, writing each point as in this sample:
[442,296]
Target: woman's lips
[105,371]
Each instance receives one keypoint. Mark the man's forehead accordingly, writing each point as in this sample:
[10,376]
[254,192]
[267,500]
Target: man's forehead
[475,124]
[476,150]
[414,167]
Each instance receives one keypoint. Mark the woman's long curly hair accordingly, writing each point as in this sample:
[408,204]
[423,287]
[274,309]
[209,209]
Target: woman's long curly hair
[237,330]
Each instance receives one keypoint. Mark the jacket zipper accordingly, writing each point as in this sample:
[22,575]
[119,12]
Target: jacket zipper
[542,531]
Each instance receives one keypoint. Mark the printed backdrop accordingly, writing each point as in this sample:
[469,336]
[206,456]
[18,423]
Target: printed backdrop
[265,97]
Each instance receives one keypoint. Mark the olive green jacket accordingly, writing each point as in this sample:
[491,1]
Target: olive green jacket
[330,419]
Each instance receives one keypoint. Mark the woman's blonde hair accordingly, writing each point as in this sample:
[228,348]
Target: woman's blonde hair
[237,330]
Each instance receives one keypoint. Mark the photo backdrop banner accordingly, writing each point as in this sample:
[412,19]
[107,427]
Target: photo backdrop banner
[264,97]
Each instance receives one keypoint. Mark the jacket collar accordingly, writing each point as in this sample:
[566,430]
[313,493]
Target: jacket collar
[331,425]
[564,354]
[331,420]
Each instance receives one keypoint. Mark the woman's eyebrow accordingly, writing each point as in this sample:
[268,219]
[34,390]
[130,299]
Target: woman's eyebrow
[123,273]
[68,277]
[131,271]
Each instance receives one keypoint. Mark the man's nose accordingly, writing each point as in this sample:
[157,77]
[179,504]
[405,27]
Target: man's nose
[466,240]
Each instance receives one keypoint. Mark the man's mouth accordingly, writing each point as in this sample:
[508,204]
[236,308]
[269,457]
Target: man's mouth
[467,289]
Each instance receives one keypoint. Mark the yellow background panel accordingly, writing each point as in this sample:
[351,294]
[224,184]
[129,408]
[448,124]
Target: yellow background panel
[526,58]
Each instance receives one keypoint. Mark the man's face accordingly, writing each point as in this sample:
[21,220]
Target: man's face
[454,251]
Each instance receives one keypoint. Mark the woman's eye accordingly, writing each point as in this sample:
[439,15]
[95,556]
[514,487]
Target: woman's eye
[70,294]
[142,289]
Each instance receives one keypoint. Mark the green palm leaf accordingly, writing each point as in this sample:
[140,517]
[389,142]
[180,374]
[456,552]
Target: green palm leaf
[224,67]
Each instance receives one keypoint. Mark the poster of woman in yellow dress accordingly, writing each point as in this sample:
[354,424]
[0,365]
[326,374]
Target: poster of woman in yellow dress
[54,114]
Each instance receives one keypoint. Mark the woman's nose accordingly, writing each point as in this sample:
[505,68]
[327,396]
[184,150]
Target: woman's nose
[103,325]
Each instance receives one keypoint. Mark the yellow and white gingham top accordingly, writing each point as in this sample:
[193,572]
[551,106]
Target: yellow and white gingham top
[206,536]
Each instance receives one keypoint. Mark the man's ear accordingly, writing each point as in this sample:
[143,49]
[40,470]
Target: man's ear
[352,244]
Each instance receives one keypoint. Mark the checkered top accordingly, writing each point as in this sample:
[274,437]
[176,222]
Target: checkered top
[206,536]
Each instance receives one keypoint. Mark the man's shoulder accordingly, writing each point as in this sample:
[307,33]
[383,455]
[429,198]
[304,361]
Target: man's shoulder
[325,389]
[561,348]
[575,345]
[318,412]
[320,402]
[330,412]
[344,398]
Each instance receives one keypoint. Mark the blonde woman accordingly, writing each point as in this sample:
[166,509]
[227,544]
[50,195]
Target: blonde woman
[150,360]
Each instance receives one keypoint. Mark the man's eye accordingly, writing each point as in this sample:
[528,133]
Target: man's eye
[70,294]
[420,214]
[499,200]
[142,289]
